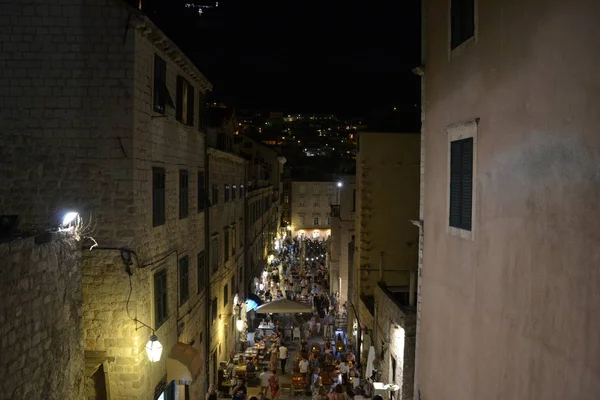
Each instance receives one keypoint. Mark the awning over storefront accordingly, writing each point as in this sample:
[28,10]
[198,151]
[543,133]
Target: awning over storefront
[252,302]
[183,364]
[284,306]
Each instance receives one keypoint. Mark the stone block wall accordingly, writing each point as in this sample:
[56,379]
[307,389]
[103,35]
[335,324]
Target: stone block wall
[157,140]
[66,117]
[41,320]
[388,316]
[79,133]
[226,168]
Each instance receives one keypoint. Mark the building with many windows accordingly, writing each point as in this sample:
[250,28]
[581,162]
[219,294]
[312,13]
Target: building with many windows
[263,204]
[226,182]
[311,208]
[510,286]
[106,120]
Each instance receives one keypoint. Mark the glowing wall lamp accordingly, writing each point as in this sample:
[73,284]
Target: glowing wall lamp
[154,349]
[239,324]
[68,218]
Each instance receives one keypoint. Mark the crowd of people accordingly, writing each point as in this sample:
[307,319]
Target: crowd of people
[322,365]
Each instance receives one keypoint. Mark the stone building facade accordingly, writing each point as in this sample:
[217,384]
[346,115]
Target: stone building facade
[263,205]
[342,233]
[311,208]
[510,290]
[395,339]
[104,118]
[41,322]
[227,187]
[386,239]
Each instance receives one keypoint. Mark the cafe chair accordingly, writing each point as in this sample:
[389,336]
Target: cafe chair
[296,334]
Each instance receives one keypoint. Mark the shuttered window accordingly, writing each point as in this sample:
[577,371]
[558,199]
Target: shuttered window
[160,299]
[185,102]
[461,183]
[158,196]
[462,22]
[214,309]
[201,192]
[183,194]
[184,279]
[161,96]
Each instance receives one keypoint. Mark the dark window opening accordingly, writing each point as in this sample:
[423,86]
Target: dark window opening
[462,22]
[201,192]
[183,194]
[184,281]
[158,196]
[160,299]
[161,96]
[461,183]
[185,101]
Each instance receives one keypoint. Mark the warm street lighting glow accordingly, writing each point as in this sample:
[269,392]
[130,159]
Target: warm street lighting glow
[239,324]
[289,227]
[154,349]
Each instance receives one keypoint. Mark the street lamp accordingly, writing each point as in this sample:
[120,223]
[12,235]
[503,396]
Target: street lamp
[340,184]
[154,349]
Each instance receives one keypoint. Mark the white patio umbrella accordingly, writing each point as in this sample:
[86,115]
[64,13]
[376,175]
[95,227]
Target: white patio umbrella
[284,306]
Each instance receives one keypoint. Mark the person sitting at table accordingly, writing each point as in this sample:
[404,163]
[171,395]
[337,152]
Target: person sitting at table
[250,366]
[241,360]
[268,296]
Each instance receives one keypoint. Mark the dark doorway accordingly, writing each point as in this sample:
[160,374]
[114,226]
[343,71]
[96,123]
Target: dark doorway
[99,380]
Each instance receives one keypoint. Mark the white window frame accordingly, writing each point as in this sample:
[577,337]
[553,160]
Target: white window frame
[459,131]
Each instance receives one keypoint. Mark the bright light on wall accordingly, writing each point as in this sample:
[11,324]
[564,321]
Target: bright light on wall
[239,324]
[154,349]
[68,218]
[340,184]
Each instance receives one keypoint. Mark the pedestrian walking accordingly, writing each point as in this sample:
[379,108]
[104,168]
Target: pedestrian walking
[274,384]
[283,356]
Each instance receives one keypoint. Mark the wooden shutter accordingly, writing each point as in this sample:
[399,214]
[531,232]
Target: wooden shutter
[158,196]
[461,183]
[179,99]
[201,191]
[467,183]
[183,194]
[455,184]
[160,298]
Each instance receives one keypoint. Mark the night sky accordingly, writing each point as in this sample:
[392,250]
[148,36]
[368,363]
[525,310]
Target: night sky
[301,56]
